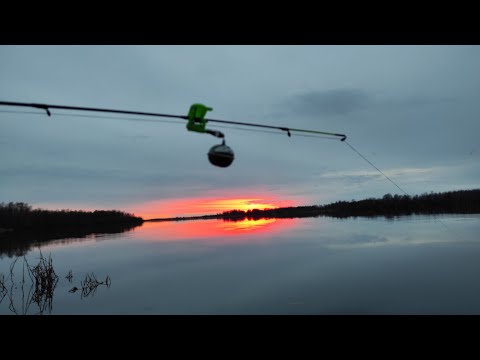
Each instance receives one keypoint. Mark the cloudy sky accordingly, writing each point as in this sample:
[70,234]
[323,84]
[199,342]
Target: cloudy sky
[412,110]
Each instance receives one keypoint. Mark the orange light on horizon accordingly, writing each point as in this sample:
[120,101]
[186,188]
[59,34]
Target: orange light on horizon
[244,230]
[184,207]
[240,199]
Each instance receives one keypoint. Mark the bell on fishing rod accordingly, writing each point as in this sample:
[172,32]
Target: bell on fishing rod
[221,155]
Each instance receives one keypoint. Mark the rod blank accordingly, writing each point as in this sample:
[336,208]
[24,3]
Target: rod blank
[47,108]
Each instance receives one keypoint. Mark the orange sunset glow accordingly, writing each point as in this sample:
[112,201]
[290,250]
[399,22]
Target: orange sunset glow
[204,229]
[204,206]
[210,229]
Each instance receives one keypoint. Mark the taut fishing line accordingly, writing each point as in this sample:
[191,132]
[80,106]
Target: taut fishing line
[398,186]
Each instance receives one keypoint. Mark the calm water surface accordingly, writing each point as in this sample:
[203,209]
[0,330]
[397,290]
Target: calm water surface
[409,265]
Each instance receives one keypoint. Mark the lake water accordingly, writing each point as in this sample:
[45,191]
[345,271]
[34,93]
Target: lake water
[407,265]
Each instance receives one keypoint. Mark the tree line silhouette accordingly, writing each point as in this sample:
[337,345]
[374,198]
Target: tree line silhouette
[20,215]
[451,202]
[22,227]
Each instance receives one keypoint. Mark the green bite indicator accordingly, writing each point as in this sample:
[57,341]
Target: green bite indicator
[196,118]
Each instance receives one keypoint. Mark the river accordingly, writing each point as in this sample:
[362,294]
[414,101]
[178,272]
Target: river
[405,265]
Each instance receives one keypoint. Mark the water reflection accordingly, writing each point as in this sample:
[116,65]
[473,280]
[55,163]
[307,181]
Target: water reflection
[411,265]
[30,289]
[246,229]
[20,243]
[17,244]
[249,225]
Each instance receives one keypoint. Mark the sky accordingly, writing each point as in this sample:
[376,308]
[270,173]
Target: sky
[413,111]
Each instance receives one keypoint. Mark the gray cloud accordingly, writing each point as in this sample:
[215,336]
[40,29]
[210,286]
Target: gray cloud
[349,101]
[329,102]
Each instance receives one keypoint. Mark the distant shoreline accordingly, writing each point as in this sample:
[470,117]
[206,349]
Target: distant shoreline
[21,227]
[452,202]
[20,216]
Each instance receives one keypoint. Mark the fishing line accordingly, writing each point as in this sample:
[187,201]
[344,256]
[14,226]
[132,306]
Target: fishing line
[380,171]
[252,130]
[95,117]
[120,118]
[315,136]
[21,112]
[274,132]
[398,186]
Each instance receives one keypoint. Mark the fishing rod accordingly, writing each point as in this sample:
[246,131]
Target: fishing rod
[219,155]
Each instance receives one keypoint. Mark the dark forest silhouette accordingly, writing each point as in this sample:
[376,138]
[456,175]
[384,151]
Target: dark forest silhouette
[21,216]
[452,202]
[20,242]
[22,227]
